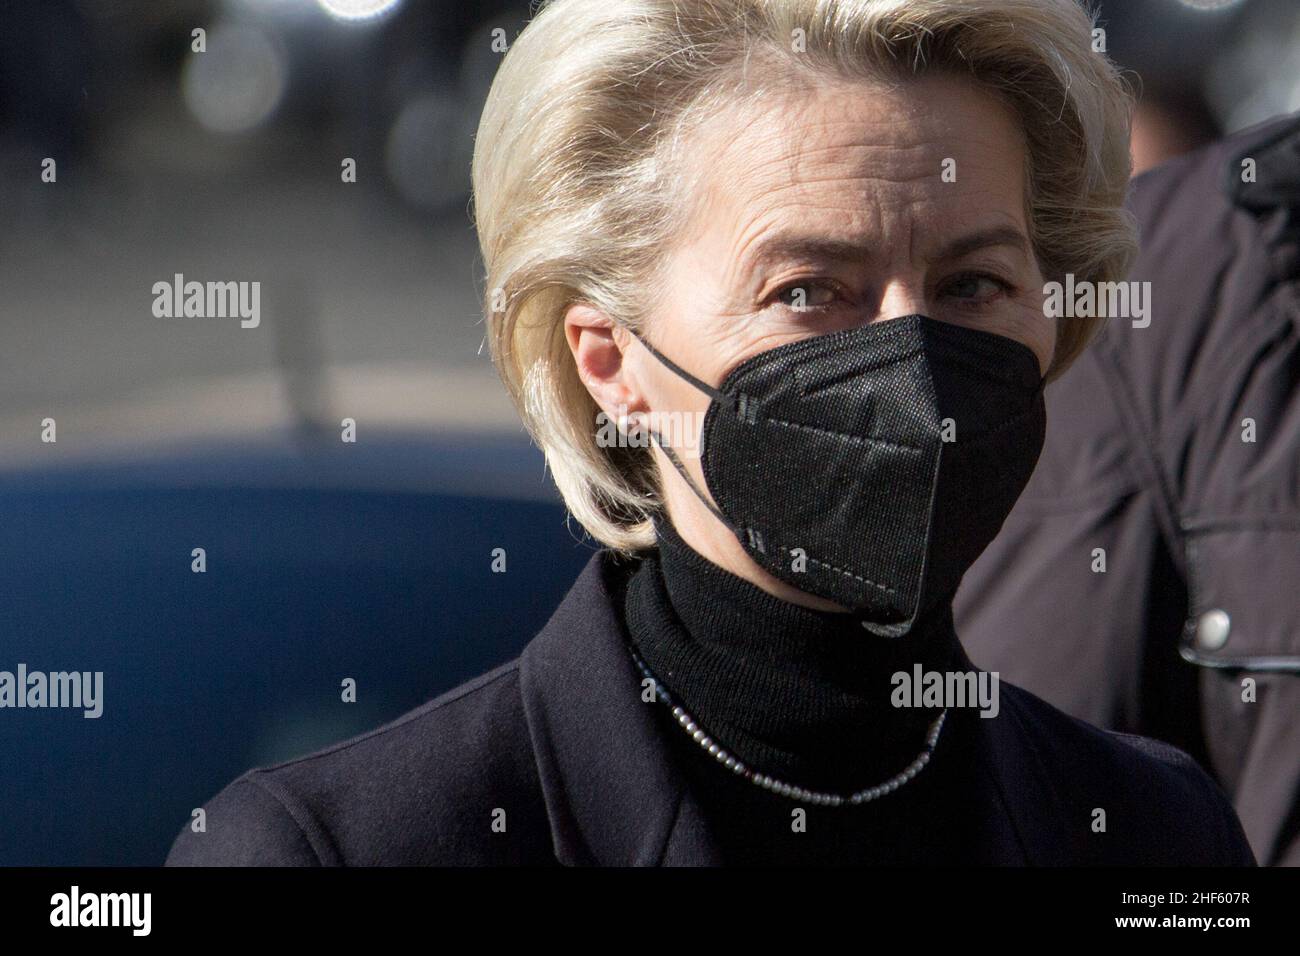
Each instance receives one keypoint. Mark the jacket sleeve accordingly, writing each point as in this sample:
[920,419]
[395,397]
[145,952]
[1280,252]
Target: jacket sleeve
[245,825]
[1234,849]
[1206,810]
[1238,851]
[1234,846]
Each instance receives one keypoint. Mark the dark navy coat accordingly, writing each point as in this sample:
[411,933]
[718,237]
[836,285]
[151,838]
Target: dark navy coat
[559,744]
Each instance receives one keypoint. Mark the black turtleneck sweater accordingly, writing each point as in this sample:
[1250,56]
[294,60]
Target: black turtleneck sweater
[803,696]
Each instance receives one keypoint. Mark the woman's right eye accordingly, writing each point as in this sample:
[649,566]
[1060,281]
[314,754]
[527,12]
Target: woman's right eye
[806,294]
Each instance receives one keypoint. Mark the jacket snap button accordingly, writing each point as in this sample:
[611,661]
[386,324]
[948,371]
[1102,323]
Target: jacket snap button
[1212,630]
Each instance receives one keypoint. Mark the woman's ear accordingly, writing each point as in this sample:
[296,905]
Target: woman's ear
[599,346]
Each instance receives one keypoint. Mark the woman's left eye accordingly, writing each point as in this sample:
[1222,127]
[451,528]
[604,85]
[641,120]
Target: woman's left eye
[977,287]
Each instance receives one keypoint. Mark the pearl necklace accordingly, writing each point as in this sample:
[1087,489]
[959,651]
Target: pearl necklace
[801,794]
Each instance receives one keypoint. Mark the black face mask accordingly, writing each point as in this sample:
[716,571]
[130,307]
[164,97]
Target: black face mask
[873,465]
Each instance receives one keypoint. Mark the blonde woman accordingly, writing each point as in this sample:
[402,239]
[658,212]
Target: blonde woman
[766,279]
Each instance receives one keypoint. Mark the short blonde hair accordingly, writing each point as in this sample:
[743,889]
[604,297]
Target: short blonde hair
[580,185]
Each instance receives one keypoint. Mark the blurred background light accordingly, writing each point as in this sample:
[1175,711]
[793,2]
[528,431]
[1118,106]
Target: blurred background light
[429,150]
[237,83]
[357,9]
[1209,4]
[291,9]
[1259,75]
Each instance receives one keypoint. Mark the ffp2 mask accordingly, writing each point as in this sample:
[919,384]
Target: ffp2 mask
[871,466]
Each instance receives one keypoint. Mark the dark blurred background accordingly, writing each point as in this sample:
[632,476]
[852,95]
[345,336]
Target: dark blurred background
[326,559]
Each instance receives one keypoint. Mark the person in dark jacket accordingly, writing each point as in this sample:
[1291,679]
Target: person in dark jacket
[776,314]
[554,757]
[1173,455]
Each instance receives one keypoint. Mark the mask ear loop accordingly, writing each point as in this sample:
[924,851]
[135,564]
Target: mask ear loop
[744,534]
[681,372]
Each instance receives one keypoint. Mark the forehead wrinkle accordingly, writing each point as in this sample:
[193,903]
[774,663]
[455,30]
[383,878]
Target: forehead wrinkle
[785,166]
[863,171]
[858,160]
[767,246]
[767,238]
[750,237]
[858,191]
[861,182]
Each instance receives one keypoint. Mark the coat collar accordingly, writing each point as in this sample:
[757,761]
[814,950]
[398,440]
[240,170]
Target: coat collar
[614,797]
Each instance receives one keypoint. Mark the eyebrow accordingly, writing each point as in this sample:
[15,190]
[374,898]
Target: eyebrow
[783,247]
[982,239]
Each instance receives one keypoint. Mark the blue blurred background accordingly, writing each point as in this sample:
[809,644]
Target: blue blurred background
[325,560]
